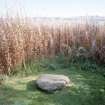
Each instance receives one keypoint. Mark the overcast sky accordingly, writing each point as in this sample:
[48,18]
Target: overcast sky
[52,8]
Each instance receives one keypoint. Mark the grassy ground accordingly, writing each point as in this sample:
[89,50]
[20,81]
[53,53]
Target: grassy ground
[87,89]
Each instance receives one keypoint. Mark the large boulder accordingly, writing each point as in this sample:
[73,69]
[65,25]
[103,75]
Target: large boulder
[51,82]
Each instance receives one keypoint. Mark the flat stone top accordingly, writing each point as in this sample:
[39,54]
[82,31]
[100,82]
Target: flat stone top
[53,77]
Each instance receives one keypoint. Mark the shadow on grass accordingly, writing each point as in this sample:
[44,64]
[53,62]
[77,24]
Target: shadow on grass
[31,86]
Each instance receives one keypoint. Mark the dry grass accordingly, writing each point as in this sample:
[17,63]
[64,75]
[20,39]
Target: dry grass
[21,41]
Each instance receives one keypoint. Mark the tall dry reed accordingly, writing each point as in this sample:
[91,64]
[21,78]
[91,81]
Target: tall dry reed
[21,41]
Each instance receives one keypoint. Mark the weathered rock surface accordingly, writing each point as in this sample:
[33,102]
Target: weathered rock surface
[51,82]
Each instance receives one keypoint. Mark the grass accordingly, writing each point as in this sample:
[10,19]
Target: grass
[88,88]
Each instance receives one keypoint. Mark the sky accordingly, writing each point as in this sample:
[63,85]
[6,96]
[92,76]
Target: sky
[52,8]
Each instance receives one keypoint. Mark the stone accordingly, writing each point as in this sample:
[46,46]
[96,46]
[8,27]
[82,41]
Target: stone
[51,82]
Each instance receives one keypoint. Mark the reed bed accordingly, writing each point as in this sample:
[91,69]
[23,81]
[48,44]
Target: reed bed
[21,41]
